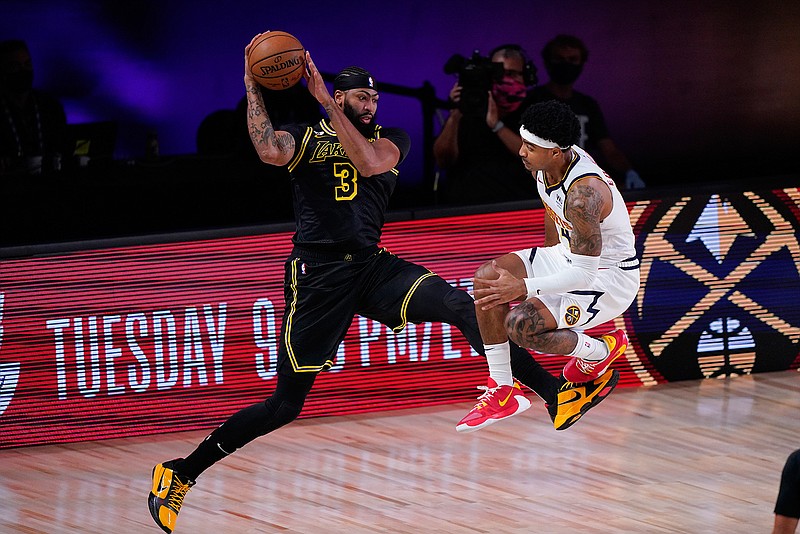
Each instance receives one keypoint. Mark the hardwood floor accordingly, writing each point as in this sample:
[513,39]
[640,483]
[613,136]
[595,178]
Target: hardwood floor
[688,457]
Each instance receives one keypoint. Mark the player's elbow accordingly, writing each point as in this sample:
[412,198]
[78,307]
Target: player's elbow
[268,156]
[272,156]
[372,168]
[367,172]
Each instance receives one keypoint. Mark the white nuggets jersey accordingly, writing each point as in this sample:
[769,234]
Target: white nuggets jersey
[615,230]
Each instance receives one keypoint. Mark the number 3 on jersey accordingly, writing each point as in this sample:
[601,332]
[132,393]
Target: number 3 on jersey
[348,175]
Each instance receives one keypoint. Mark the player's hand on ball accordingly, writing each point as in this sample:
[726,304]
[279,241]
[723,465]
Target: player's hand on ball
[276,60]
[247,74]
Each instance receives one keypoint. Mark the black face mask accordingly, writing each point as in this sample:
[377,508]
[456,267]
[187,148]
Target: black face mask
[564,73]
[18,82]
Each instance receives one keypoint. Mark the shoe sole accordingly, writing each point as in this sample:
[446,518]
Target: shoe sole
[598,398]
[152,505]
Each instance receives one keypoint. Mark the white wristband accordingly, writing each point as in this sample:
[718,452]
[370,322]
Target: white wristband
[530,285]
[498,126]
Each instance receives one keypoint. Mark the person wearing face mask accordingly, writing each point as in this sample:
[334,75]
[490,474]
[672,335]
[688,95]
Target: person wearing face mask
[480,154]
[32,123]
[564,57]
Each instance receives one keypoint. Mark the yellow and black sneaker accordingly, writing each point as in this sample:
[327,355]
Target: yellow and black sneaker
[574,400]
[166,497]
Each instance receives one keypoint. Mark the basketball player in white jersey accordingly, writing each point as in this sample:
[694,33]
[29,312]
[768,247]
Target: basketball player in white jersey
[585,274]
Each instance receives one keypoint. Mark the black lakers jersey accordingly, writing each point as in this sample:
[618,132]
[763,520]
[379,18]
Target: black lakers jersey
[335,208]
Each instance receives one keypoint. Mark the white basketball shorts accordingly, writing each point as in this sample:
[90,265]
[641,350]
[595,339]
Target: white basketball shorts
[611,293]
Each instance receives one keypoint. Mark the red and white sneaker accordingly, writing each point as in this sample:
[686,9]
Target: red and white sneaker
[579,371]
[496,403]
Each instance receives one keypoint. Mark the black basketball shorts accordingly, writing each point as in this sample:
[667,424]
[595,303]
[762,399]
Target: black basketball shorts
[323,296]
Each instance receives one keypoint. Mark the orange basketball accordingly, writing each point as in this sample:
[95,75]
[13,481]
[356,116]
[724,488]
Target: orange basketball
[277,60]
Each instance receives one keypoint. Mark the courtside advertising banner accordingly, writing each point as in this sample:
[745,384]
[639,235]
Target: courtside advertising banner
[135,340]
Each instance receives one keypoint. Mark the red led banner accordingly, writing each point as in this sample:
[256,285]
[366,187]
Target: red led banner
[143,339]
[178,336]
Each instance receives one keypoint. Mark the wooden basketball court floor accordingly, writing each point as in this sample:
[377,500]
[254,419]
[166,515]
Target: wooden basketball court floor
[687,457]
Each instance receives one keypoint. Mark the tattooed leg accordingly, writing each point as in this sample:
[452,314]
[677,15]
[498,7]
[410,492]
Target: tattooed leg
[531,325]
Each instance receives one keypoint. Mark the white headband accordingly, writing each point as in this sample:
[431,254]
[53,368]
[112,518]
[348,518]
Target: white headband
[536,140]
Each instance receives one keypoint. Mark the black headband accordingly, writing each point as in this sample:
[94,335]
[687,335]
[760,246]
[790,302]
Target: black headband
[346,80]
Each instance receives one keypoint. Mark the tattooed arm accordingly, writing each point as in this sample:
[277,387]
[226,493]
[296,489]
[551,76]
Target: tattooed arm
[273,147]
[588,203]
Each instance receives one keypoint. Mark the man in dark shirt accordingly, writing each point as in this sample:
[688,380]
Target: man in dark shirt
[564,57]
[33,123]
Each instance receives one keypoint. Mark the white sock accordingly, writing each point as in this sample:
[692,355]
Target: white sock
[589,348]
[499,359]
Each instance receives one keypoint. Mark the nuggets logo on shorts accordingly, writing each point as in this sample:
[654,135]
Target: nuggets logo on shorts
[572,315]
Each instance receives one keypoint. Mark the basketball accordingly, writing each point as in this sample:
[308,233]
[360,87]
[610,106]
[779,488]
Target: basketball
[277,60]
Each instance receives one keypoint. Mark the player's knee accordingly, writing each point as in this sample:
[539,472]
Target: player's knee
[459,303]
[520,329]
[486,271]
[285,404]
[460,311]
[280,412]
[286,413]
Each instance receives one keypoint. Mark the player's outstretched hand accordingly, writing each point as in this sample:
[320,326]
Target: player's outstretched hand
[316,86]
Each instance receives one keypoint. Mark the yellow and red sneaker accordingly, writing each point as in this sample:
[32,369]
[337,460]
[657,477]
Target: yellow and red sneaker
[574,400]
[579,371]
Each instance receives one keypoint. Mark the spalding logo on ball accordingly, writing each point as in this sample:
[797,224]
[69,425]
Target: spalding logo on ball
[277,60]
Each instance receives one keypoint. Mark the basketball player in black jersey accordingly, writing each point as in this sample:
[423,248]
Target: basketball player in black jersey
[343,171]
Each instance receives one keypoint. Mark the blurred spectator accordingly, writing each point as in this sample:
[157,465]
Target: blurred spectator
[564,58]
[787,505]
[480,154]
[223,135]
[219,132]
[294,105]
[33,123]
[224,132]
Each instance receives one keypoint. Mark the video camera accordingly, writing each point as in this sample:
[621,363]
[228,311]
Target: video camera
[475,76]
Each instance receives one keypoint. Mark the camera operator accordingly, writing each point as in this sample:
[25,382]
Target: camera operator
[478,146]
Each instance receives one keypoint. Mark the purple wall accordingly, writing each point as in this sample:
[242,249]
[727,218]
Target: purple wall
[676,80]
